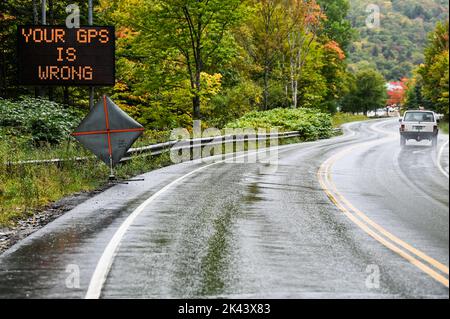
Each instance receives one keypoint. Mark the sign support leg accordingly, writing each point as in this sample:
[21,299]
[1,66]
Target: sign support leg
[112,176]
[91,97]
[114,180]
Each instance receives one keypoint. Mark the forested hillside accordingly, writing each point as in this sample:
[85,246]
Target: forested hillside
[397,46]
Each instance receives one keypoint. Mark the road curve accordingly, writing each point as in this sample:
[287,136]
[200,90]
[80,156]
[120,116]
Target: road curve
[239,230]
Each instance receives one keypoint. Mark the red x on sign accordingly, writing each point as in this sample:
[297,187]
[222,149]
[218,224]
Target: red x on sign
[108,132]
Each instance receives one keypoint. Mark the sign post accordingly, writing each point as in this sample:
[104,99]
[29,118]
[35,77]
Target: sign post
[91,22]
[43,22]
[90,13]
[44,12]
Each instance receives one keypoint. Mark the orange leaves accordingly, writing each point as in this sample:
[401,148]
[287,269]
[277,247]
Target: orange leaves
[6,17]
[307,13]
[313,13]
[396,92]
[334,47]
[124,32]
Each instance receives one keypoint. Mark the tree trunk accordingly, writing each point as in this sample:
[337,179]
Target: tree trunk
[3,76]
[35,13]
[196,103]
[198,79]
[295,94]
[266,89]
[197,88]
[293,83]
[286,91]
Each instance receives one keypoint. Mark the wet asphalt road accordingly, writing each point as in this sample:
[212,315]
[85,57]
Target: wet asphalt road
[240,230]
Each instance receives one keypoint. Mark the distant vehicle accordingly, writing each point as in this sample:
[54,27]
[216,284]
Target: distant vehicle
[419,125]
[377,113]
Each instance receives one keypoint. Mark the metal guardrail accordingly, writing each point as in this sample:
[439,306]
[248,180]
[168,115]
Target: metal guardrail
[211,141]
[178,145]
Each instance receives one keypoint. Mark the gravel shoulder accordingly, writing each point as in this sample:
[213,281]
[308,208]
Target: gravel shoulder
[24,228]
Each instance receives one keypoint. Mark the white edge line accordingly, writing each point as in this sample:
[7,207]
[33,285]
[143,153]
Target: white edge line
[104,264]
[439,165]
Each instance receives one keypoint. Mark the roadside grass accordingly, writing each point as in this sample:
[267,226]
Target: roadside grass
[342,118]
[25,189]
[443,126]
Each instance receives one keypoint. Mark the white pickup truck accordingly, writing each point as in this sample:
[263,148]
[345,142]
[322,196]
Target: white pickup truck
[419,125]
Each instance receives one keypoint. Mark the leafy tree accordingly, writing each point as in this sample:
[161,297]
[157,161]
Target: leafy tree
[306,18]
[313,84]
[367,92]
[194,29]
[435,71]
[281,37]
[349,101]
[414,98]
[337,27]
[337,34]
[263,35]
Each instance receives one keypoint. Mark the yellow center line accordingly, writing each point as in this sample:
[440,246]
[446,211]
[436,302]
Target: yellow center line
[325,180]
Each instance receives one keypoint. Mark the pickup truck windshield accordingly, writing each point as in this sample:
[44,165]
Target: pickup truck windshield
[419,117]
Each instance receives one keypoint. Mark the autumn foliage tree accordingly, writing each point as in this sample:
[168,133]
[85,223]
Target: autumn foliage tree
[193,28]
[367,92]
[306,18]
[435,72]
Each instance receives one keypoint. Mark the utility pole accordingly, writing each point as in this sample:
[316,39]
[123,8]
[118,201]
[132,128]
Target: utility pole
[35,22]
[90,13]
[51,22]
[91,22]
[43,22]
[44,12]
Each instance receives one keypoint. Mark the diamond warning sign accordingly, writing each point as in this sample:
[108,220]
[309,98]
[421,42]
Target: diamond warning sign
[108,132]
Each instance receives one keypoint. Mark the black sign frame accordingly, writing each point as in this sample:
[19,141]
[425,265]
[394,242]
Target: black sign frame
[25,80]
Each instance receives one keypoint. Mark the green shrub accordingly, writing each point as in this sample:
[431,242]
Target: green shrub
[233,103]
[36,120]
[312,124]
